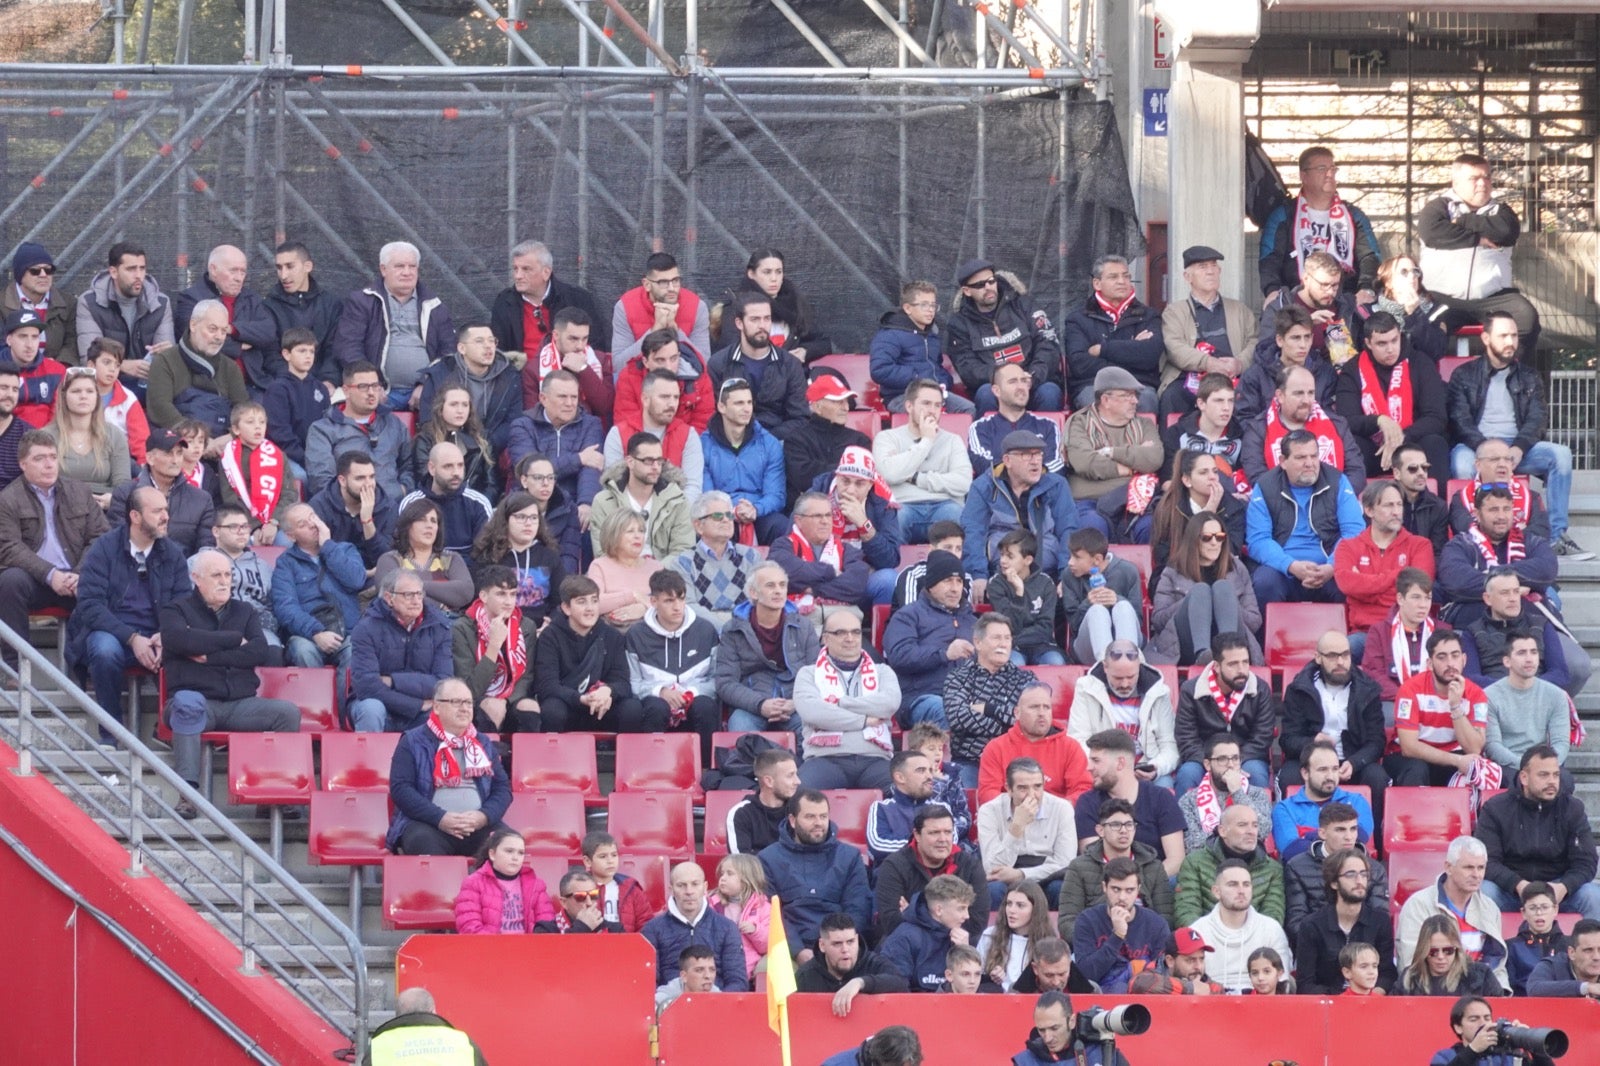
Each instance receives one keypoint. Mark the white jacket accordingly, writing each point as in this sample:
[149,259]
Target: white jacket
[1091,714]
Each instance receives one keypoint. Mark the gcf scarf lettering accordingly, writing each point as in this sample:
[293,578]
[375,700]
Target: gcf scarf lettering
[512,662]
[831,687]
[1227,702]
[1330,446]
[260,486]
[1339,241]
[1397,402]
[457,758]
[1209,806]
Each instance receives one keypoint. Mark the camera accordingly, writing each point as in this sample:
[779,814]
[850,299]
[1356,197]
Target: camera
[1551,1042]
[1097,1025]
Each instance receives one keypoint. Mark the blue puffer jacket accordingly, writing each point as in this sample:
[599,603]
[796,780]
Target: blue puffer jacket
[669,933]
[363,330]
[754,472]
[883,551]
[992,511]
[413,659]
[902,353]
[411,784]
[915,641]
[814,881]
[298,587]
[917,947]
[106,572]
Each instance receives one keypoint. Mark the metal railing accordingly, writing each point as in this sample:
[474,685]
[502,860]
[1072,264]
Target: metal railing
[203,860]
[1574,412]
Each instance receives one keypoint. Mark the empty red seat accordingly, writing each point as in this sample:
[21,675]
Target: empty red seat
[419,891]
[1293,630]
[718,803]
[653,874]
[658,762]
[1424,819]
[849,808]
[856,369]
[864,420]
[313,689]
[555,762]
[1411,872]
[913,553]
[357,762]
[551,869]
[347,828]
[268,554]
[652,823]
[551,823]
[270,768]
[1511,921]
[1063,680]
[407,419]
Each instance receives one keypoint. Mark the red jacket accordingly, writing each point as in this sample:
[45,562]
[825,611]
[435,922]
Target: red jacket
[633,908]
[695,408]
[1066,768]
[40,383]
[480,905]
[642,313]
[1366,575]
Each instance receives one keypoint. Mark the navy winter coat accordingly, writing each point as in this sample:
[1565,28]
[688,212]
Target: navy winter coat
[253,324]
[363,332]
[316,309]
[993,510]
[108,569]
[902,353]
[532,432]
[914,644]
[816,880]
[411,783]
[669,933]
[346,527]
[917,947]
[882,552]
[414,660]
[1119,344]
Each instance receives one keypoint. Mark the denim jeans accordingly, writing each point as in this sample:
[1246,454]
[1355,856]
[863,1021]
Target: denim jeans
[1046,657]
[1550,463]
[915,518]
[742,721]
[107,659]
[925,708]
[369,716]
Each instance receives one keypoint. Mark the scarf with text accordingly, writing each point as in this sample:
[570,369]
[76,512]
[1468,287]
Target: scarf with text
[1397,403]
[856,462]
[1515,552]
[457,758]
[261,486]
[1209,805]
[1227,702]
[830,686]
[1400,648]
[512,662]
[1521,500]
[1116,311]
[1339,241]
[549,359]
[1330,446]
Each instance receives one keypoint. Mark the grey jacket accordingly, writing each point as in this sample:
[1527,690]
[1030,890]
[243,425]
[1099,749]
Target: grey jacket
[745,676]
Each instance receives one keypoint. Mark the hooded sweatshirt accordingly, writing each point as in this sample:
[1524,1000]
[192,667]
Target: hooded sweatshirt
[684,657]
[566,665]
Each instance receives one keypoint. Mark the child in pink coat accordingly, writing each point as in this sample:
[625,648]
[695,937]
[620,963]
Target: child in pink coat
[503,895]
[741,897]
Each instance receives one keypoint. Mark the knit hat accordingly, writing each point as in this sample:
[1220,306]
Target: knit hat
[971,267]
[29,254]
[1109,378]
[858,462]
[941,565]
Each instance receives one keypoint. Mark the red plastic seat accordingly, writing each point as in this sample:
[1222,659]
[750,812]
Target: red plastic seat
[659,762]
[1485,795]
[1411,872]
[1063,680]
[653,872]
[849,809]
[357,762]
[1169,674]
[314,690]
[958,424]
[880,621]
[866,420]
[270,768]
[718,803]
[268,554]
[1293,630]
[1449,364]
[348,828]
[857,370]
[419,891]
[551,869]
[551,823]
[652,823]
[913,553]
[1463,338]
[407,419]
[555,762]
[1511,921]
[1424,819]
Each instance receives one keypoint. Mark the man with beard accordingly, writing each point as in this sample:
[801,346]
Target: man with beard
[464,510]
[1012,384]
[1223,786]
[1297,515]
[1116,939]
[658,416]
[1348,917]
[924,641]
[778,381]
[1492,464]
[125,304]
[568,348]
[641,485]
[1534,833]
[661,351]
[196,374]
[932,850]
[1082,888]
[1295,407]
[1237,839]
[659,301]
[814,874]
[1226,697]
[488,377]
[1389,398]
[890,821]
[1159,822]
[994,324]
[1234,926]
[1295,819]
[1304,889]
[744,460]
[11,427]
[1330,702]
[1441,719]
[1492,543]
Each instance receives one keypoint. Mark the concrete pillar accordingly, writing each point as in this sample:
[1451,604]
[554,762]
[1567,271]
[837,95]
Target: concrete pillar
[1205,167]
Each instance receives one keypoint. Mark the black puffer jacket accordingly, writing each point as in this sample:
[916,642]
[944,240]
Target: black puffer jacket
[1014,332]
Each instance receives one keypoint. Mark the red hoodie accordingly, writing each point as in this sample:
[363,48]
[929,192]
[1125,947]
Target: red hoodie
[1066,768]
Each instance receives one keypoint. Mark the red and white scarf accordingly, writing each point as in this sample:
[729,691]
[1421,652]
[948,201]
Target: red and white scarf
[1521,500]
[261,486]
[1340,240]
[457,758]
[1227,702]
[1330,446]
[512,661]
[1484,773]
[1116,311]
[1515,552]
[830,686]
[1209,805]
[1397,402]
[549,359]
[855,462]
[832,554]
[1400,647]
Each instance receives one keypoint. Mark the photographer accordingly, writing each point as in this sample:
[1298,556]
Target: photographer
[1477,1037]
[1055,1037]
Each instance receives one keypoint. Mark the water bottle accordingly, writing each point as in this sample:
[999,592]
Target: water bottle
[1097,580]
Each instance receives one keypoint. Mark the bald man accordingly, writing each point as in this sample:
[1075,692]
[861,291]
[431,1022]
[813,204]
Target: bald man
[416,1030]
[689,919]
[252,337]
[464,510]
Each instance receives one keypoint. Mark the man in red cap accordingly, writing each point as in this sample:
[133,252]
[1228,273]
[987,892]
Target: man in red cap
[1185,963]
[812,448]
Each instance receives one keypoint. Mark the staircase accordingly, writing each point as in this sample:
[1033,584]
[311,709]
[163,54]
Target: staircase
[1580,598]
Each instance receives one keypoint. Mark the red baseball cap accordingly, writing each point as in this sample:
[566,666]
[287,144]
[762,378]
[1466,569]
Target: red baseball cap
[1187,942]
[828,387]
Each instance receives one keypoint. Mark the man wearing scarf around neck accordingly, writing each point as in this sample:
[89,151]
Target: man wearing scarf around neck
[446,782]
[492,649]
[1318,220]
[865,514]
[1390,397]
[1113,329]
[820,566]
[1491,542]
[846,701]
[1294,406]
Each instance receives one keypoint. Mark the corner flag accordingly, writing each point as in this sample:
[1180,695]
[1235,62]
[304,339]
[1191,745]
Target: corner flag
[780,979]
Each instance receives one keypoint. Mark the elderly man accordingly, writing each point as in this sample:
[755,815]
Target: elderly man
[1294,407]
[522,314]
[358,424]
[981,693]
[212,643]
[778,382]
[1123,693]
[1110,449]
[716,569]
[1458,893]
[744,460]
[846,702]
[1298,513]
[814,873]
[764,645]
[1388,398]
[1035,736]
[660,301]
[1491,543]
[926,639]
[123,303]
[465,510]
[190,510]
[568,348]
[46,526]
[658,418]
[195,378]
[813,448]
[1208,333]
[931,848]
[252,339]
[1534,832]
[691,919]
[1318,220]
[396,324]
[926,467]
[1366,566]
[314,588]
[129,575]
[447,783]
[1113,329]
[400,648]
[33,271]
[660,351]
[486,374]
[1019,492]
[820,566]
[1224,786]
[298,302]
[1026,834]
[995,323]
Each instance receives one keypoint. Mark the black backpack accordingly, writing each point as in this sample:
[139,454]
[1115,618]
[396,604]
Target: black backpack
[1264,190]
[735,768]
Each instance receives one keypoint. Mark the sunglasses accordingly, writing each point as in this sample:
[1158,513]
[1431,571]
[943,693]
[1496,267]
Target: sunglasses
[1441,953]
[1418,468]
[1125,656]
[79,372]
[584,897]
[717,516]
[1213,538]
[981,284]
[41,271]
[730,385]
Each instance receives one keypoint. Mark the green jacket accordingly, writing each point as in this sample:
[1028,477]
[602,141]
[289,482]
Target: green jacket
[1199,869]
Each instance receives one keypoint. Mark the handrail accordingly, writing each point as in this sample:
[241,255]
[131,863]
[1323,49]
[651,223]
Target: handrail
[197,857]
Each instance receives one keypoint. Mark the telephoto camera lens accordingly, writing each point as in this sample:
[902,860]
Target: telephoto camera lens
[1552,1042]
[1098,1025]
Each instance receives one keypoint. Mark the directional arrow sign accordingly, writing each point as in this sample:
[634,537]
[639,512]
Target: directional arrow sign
[1155,112]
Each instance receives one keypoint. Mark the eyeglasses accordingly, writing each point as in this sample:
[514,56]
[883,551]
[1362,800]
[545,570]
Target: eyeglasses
[1441,953]
[1213,538]
[665,283]
[1334,654]
[235,527]
[856,632]
[981,283]
[1418,468]
[717,516]
[1409,272]
[540,479]
[1118,826]
[1326,168]
[413,595]
[816,514]
[584,897]
[1355,875]
[364,385]
[41,271]
[531,516]
[1225,760]
[648,460]
[451,703]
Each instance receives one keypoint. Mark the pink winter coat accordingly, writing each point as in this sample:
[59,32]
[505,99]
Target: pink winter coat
[758,911]
[480,904]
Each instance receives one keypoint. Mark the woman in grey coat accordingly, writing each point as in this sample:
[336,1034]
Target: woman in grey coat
[1204,590]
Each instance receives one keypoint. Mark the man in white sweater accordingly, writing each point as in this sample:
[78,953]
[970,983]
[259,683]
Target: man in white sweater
[926,467]
[1026,834]
[1234,928]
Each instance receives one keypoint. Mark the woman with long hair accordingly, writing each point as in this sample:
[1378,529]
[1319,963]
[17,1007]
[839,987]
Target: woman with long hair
[1198,484]
[516,537]
[622,570]
[558,512]
[793,327]
[1204,590]
[92,450]
[418,545]
[1402,294]
[1007,945]
[452,420]
[1440,966]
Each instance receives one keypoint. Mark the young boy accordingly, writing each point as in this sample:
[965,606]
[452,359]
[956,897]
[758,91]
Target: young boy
[934,742]
[295,399]
[1098,616]
[942,536]
[1358,963]
[121,406]
[1538,937]
[580,669]
[196,470]
[1028,598]
[252,578]
[254,476]
[963,971]
[625,901]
